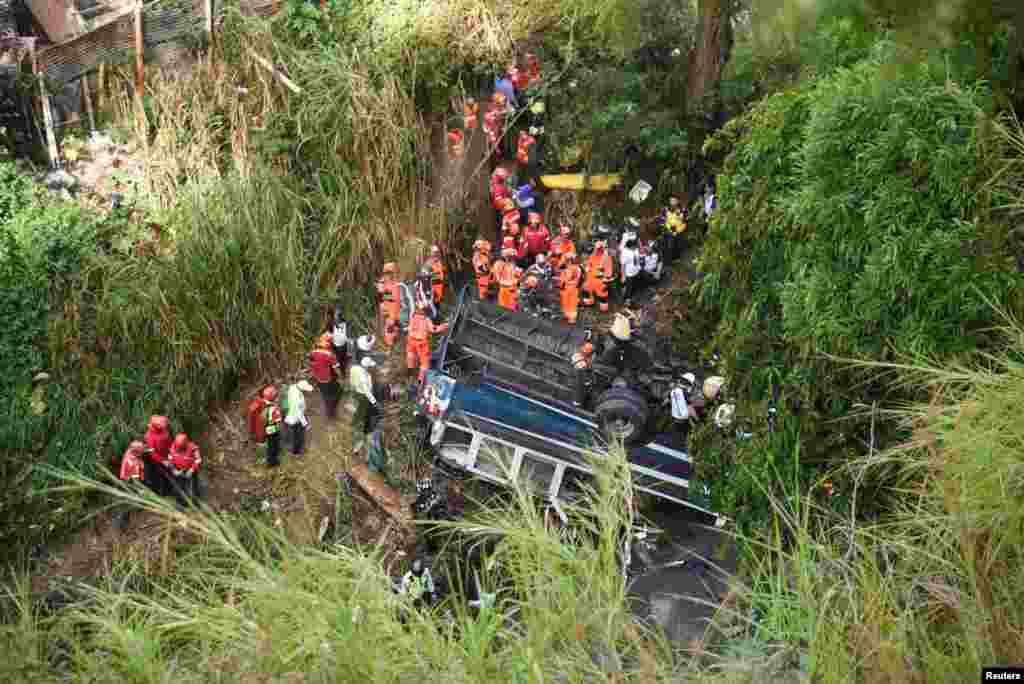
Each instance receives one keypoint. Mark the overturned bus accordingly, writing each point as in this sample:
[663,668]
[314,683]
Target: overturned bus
[500,406]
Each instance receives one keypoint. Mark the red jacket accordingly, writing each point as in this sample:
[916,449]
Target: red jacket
[322,364]
[537,239]
[131,466]
[187,459]
[160,443]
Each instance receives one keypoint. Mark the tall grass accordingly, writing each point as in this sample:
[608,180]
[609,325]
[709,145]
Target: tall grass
[245,605]
[931,591]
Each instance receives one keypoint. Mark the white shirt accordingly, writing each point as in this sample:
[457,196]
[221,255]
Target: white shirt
[296,406]
[630,261]
[680,409]
[361,382]
[709,203]
[651,263]
[339,335]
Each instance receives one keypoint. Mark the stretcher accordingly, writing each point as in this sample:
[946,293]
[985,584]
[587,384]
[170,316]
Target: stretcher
[582,181]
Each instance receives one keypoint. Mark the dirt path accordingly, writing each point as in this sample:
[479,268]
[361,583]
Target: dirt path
[301,493]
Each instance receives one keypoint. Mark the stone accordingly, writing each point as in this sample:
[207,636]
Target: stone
[41,377]
[60,180]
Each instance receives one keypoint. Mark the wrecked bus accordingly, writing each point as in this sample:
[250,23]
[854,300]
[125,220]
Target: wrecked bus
[500,405]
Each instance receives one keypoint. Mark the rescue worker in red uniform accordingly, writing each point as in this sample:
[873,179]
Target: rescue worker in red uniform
[417,344]
[390,303]
[560,247]
[272,420]
[519,77]
[507,274]
[438,275]
[537,238]
[326,370]
[471,113]
[569,287]
[456,148]
[523,145]
[133,474]
[184,463]
[600,272]
[494,123]
[158,440]
[532,68]
[482,266]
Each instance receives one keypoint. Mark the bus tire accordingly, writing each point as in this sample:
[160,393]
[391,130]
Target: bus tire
[623,414]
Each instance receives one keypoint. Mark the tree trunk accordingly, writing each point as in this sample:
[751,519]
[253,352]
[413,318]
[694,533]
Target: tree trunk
[708,57]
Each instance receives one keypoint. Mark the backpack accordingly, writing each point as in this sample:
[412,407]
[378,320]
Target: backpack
[257,421]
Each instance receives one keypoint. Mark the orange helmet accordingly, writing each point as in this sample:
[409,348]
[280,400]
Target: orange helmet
[534,217]
[159,423]
[588,348]
[564,230]
[531,281]
[270,393]
[421,306]
[181,441]
[391,267]
[498,99]
[509,205]
[324,341]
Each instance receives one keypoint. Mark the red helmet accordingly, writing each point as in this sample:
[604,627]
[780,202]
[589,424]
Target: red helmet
[508,243]
[181,441]
[588,348]
[159,423]
[455,136]
[269,393]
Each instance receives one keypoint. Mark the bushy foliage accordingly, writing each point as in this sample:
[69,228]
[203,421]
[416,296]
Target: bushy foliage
[852,222]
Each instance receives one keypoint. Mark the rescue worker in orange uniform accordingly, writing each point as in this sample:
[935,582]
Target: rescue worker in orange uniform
[438,274]
[561,245]
[507,274]
[494,122]
[390,302]
[569,285]
[417,344]
[583,362]
[523,145]
[482,266]
[184,463]
[471,113]
[600,272]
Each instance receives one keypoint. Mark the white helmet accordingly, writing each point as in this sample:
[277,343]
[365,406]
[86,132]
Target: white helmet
[724,414]
[367,362]
[712,386]
[366,342]
[690,378]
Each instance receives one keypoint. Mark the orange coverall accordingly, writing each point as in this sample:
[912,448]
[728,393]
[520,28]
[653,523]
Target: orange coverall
[560,246]
[390,308]
[417,345]
[569,282]
[508,274]
[482,268]
[437,279]
[600,272]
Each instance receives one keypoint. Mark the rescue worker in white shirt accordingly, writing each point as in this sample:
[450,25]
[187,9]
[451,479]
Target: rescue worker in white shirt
[295,415]
[631,265]
[364,346]
[339,339]
[681,408]
[418,583]
[366,406]
[583,362]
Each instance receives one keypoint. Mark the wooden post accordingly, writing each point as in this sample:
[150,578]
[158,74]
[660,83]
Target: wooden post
[208,11]
[290,84]
[44,97]
[88,102]
[140,73]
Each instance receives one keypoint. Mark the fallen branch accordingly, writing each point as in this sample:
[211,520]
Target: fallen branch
[290,84]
